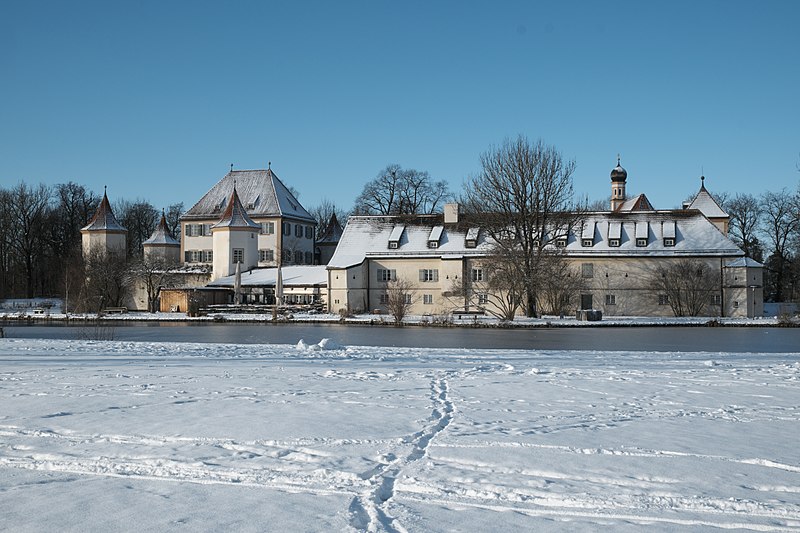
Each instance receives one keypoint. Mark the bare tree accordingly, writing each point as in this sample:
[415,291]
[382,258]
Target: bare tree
[173,216]
[745,213]
[154,273]
[323,212]
[561,285]
[400,298]
[687,284]
[398,191]
[140,219]
[781,225]
[106,281]
[28,210]
[524,199]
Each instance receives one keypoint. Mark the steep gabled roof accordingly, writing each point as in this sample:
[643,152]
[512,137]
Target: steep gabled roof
[333,231]
[104,219]
[261,192]
[235,215]
[161,235]
[706,204]
[637,203]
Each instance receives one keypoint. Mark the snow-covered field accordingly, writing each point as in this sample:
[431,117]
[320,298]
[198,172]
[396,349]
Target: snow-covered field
[98,436]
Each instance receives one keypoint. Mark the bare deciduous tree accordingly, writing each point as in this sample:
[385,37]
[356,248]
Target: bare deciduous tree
[745,215]
[523,197]
[561,285]
[323,212]
[140,219]
[398,191]
[400,298]
[781,225]
[154,273]
[688,285]
[28,210]
[173,216]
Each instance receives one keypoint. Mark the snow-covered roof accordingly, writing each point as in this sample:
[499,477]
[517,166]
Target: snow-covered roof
[235,215]
[744,262]
[706,204]
[693,235]
[104,219]
[292,276]
[637,203]
[261,192]
[161,236]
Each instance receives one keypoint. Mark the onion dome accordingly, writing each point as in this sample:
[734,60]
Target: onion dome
[619,173]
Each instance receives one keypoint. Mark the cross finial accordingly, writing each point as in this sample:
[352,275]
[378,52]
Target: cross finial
[617,158]
[231,167]
[269,165]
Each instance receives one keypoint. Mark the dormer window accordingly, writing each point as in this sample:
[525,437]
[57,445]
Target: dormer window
[561,242]
[587,243]
[668,231]
[614,243]
[587,235]
[669,241]
[642,233]
[471,241]
[435,236]
[394,237]
[641,242]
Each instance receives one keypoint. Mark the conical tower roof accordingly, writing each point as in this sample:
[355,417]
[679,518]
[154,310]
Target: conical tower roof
[235,215]
[161,236]
[104,219]
[333,231]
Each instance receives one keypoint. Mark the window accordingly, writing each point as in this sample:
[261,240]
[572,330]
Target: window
[408,299]
[298,257]
[477,274]
[428,274]
[669,241]
[298,230]
[561,243]
[309,232]
[427,299]
[287,228]
[266,256]
[205,229]
[716,299]
[663,299]
[267,228]
[309,258]
[433,244]
[393,244]
[483,299]
[587,270]
[587,243]
[614,243]
[384,298]
[641,242]
[611,299]
[471,243]
[736,304]
[385,274]
[238,255]
[207,256]
[287,256]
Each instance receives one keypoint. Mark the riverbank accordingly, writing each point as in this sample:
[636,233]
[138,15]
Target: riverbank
[416,320]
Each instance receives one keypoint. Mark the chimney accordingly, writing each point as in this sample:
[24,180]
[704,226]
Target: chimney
[451,213]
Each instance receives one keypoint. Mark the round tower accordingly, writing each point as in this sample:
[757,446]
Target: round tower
[618,177]
[161,247]
[234,240]
[103,234]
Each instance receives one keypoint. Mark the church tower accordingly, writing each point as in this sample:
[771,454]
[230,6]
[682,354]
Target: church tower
[234,240]
[103,233]
[618,177]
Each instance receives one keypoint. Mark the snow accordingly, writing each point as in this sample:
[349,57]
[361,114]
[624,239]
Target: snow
[318,437]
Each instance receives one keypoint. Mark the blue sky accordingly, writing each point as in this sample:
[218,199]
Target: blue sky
[157,99]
